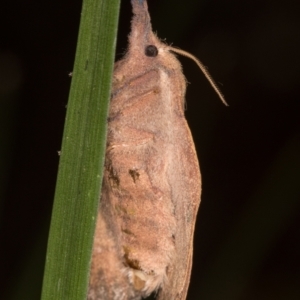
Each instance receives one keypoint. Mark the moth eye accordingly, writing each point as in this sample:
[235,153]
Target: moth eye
[151,51]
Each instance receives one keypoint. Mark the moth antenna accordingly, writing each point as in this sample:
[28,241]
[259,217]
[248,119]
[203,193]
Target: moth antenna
[203,69]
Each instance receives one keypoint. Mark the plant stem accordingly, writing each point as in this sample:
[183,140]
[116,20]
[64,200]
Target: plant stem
[83,149]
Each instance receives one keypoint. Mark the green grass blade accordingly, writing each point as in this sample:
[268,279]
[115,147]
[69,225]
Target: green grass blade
[82,156]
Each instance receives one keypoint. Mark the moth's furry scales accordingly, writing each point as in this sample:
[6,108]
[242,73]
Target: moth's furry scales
[151,185]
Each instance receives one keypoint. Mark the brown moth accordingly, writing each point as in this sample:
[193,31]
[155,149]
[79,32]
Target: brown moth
[151,186]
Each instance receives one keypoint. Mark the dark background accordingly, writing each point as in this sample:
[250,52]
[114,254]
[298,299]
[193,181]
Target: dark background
[247,240]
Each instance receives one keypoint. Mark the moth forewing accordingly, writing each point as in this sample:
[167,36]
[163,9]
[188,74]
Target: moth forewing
[151,185]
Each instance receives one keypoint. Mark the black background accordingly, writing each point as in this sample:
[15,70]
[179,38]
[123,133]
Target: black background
[247,240]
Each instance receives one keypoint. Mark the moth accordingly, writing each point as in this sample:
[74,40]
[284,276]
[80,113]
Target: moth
[151,185]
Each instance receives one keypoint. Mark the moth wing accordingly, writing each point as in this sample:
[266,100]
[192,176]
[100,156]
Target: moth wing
[107,281]
[187,184]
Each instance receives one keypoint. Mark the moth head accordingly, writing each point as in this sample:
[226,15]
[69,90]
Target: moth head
[145,44]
